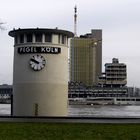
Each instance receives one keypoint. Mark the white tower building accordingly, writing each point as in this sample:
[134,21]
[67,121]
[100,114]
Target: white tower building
[40,76]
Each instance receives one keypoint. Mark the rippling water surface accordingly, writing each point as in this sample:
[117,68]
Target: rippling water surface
[5,109]
[104,111]
[91,111]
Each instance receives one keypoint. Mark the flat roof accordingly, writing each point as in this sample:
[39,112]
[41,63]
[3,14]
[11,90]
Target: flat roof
[5,86]
[115,64]
[15,32]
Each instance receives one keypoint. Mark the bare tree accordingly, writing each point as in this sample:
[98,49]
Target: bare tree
[1,26]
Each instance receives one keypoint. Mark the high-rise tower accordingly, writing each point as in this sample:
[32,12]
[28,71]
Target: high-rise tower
[86,58]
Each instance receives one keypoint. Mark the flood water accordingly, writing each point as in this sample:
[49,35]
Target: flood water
[91,111]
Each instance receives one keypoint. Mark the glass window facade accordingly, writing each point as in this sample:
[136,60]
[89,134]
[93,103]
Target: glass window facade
[84,63]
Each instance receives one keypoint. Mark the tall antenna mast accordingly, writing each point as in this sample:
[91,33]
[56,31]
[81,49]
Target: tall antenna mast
[75,21]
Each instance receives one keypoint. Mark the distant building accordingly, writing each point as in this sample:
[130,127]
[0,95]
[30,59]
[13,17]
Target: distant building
[81,91]
[115,74]
[86,58]
[5,93]
[6,89]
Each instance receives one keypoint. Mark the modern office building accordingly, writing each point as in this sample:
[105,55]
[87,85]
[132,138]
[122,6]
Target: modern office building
[86,58]
[115,74]
[111,84]
[40,78]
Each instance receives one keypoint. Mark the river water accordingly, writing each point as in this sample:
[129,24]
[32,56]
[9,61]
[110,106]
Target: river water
[91,111]
[104,111]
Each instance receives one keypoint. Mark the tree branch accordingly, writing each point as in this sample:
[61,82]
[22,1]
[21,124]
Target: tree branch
[1,26]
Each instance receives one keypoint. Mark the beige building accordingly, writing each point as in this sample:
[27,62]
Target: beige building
[40,75]
[86,58]
[115,74]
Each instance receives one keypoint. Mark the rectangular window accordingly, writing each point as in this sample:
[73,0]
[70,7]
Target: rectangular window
[29,38]
[63,39]
[48,38]
[38,37]
[21,38]
[16,40]
[59,37]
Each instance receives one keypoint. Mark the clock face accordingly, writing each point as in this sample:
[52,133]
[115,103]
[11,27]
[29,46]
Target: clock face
[37,62]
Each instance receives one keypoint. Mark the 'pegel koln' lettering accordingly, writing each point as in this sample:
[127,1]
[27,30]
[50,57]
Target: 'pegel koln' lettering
[52,50]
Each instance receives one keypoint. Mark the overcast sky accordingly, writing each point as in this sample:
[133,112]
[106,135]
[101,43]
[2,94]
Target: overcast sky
[119,20]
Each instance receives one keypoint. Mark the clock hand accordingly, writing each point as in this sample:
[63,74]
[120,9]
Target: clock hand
[35,61]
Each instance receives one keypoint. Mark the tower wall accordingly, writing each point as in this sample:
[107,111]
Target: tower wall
[40,88]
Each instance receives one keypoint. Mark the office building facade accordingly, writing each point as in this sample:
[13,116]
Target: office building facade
[115,74]
[86,58]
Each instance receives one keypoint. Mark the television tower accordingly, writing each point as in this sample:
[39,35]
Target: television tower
[75,21]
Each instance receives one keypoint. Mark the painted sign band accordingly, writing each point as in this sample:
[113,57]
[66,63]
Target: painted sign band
[26,50]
